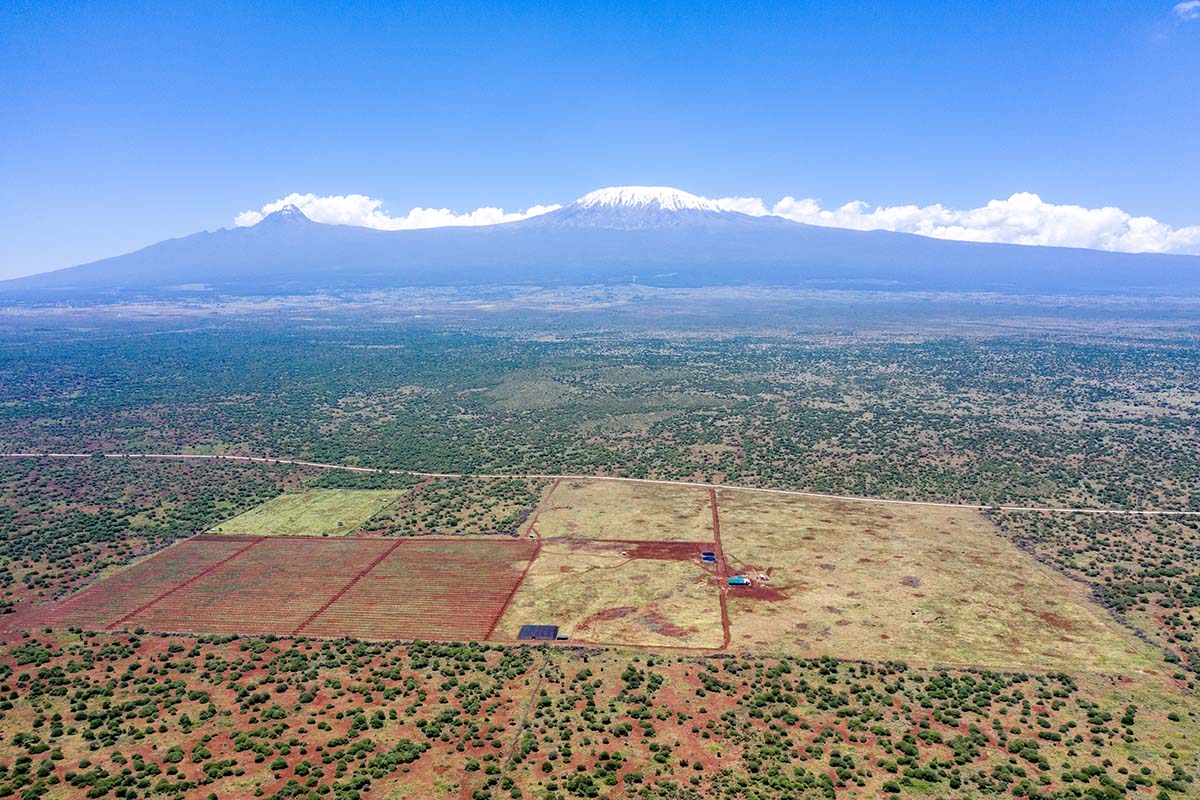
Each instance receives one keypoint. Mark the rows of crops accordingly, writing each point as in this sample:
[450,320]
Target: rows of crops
[127,590]
[363,588]
[429,589]
[272,587]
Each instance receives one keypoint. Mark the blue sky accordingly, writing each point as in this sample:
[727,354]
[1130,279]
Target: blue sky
[126,123]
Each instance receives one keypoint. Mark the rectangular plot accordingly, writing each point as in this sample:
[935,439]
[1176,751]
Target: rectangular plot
[272,587]
[583,509]
[316,512]
[429,589]
[593,593]
[123,592]
[921,584]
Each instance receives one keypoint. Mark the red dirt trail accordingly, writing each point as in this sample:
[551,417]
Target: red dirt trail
[722,572]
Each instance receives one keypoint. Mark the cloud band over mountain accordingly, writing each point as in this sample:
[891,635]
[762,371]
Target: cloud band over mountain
[1023,218]
[367,212]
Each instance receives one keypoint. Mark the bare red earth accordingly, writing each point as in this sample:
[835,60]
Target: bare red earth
[661,551]
[365,588]
[722,570]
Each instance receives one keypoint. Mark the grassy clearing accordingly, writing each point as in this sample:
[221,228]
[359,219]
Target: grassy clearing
[615,510]
[595,594]
[316,512]
[923,585]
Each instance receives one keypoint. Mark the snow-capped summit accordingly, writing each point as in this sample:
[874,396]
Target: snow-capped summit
[663,197]
[288,213]
[638,208]
[659,236]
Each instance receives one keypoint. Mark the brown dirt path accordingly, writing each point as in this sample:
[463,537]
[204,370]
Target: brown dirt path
[646,481]
[722,570]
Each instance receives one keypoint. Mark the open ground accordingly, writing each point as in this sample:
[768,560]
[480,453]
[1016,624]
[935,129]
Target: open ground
[355,587]
[614,563]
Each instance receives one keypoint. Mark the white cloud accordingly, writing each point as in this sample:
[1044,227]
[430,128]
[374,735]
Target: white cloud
[367,212]
[754,206]
[1024,218]
[1187,10]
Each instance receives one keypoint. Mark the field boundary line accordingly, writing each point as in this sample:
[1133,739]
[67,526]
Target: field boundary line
[537,512]
[850,498]
[358,576]
[722,573]
[537,549]
[127,617]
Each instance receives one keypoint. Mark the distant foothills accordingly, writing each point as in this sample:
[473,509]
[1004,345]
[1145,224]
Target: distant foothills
[649,235]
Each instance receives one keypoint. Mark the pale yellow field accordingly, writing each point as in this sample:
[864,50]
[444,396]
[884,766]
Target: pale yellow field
[316,512]
[630,511]
[919,584]
[596,595]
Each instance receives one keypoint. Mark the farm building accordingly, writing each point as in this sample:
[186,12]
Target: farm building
[538,633]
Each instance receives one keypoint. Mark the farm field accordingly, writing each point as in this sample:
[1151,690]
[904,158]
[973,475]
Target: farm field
[64,523]
[123,593]
[654,595]
[919,584]
[364,588]
[275,585]
[314,512]
[429,589]
[580,509]
[924,585]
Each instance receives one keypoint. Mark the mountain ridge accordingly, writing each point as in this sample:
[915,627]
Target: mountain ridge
[655,235]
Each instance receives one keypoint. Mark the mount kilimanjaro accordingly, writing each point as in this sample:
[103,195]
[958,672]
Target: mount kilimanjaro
[658,236]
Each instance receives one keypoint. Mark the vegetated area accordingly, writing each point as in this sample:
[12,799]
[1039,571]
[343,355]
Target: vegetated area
[459,505]
[1073,419]
[63,522]
[1146,570]
[311,512]
[115,715]
[1071,704]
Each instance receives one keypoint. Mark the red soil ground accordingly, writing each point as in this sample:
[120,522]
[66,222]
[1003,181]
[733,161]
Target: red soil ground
[722,569]
[362,588]
[661,551]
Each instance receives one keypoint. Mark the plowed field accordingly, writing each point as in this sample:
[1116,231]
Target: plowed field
[362,588]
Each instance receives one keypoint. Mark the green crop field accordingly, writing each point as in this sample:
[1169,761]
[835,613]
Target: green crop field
[316,512]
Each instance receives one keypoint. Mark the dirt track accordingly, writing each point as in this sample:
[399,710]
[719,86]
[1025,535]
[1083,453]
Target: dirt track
[650,481]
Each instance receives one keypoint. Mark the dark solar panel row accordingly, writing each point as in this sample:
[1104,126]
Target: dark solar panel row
[538,632]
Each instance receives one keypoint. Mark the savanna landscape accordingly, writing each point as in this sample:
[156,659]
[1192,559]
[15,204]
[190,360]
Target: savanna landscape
[951,584]
[591,400]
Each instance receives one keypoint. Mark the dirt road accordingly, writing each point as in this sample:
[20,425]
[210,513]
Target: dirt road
[649,481]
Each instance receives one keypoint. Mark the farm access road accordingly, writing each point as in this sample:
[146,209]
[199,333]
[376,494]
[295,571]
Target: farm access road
[648,481]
